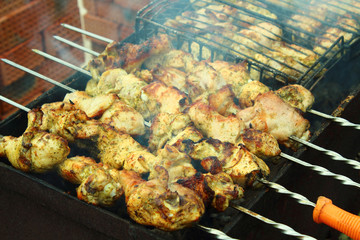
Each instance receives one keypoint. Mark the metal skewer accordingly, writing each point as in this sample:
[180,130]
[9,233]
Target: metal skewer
[322,171]
[79,69]
[334,155]
[75,45]
[37,74]
[284,228]
[87,33]
[341,121]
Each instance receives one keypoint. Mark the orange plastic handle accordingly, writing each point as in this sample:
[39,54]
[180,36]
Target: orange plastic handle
[333,216]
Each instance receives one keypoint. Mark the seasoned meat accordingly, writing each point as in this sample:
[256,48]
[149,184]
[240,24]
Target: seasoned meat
[34,151]
[213,125]
[297,96]
[271,114]
[157,203]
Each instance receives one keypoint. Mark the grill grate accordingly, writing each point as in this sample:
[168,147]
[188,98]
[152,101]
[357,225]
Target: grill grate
[194,29]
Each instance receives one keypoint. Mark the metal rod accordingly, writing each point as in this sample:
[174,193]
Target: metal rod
[37,75]
[15,104]
[217,233]
[58,60]
[334,155]
[299,198]
[284,228]
[342,121]
[322,171]
[87,33]
[77,46]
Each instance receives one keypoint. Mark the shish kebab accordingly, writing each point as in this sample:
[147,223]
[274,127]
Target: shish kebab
[334,155]
[82,194]
[86,172]
[341,121]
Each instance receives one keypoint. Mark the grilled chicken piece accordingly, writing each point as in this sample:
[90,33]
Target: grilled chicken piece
[127,55]
[297,96]
[189,133]
[307,25]
[177,164]
[223,101]
[216,156]
[237,75]
[157,203]
[100,188]
[98,184]
[124,119]
[216,190]
[112,111]
[164,127]
[174,58]
[347,27]
[271,114]
[92,106]
[262,144]
[115,147]
[213,125]
[77,169]
[168,99]
[34,151]
[62,119]
[204,79]
[249,92]
[171,77]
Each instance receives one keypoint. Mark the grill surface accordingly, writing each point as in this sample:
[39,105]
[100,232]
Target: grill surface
[51,194]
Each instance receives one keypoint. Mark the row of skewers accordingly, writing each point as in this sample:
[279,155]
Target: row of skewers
[66,120]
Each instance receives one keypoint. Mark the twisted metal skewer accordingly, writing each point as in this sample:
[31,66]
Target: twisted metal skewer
[217,233]
[334,155]
[75,45]
[87,33]
[300,198]
[284,228]
[322,171]
[341,121]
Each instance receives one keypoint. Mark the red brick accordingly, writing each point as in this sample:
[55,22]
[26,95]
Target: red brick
[8,6]
[23,91]
[110,11]
[89,5]
[19,25]
[59,49]
[133,5]
[23,55]
[54,71]
[102,27]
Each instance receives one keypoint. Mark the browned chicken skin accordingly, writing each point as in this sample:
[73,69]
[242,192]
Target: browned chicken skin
[34,151]
[271,114]
[167,206]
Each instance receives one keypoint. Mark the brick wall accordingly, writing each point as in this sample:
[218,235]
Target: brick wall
[31,24]
[113,19]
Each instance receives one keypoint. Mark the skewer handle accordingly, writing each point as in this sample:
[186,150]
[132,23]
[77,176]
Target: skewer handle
[337,218]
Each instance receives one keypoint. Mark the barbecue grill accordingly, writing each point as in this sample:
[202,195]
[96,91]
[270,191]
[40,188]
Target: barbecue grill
[50,194]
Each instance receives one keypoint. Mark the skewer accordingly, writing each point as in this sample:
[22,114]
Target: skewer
[324,211]
[322,171]
[37,74]
[341,121]
[221,235]
[284,228]
[70,43]
[62,62]
[87,33]
[332,154]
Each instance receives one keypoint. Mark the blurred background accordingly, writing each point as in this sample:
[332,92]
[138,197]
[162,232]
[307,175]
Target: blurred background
[31,24]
